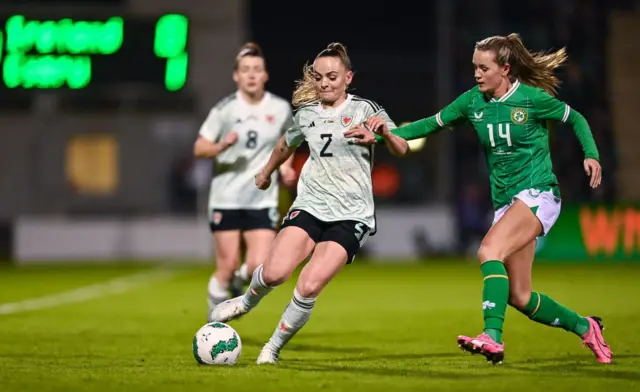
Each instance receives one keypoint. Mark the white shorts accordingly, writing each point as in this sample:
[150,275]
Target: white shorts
[545,205]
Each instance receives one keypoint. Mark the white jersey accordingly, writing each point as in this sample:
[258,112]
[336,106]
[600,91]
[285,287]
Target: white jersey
[335,182]
[259,126]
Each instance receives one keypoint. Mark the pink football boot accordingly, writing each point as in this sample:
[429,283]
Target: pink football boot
[595,341]
[483,344]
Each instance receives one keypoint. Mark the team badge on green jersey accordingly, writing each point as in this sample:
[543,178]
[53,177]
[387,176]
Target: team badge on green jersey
[519,116]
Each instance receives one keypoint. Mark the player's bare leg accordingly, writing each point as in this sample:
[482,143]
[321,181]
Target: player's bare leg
[227,249]
[542,309]
[257,243]
[291,246]
[519,266]
[517,228]
[327,260]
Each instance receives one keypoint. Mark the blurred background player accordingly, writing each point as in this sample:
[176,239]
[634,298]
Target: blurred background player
[239,134]
[333,213]
[510,109]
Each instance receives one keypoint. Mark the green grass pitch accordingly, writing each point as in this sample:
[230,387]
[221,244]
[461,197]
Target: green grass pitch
[375,328]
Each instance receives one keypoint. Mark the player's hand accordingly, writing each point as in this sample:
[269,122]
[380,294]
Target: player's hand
[377,125]
[288,175]
[230,139]
[263,181]
[359,134]
[593,169]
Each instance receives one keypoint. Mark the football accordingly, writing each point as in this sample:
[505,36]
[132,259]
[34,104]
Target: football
[217,344]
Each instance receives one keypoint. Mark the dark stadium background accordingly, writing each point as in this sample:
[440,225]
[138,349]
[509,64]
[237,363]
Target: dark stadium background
[100,183]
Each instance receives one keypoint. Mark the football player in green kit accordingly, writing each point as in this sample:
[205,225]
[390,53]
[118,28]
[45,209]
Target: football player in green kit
[510,109]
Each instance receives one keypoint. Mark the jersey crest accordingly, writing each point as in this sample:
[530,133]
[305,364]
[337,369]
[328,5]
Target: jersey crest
[346,120]
[519,116]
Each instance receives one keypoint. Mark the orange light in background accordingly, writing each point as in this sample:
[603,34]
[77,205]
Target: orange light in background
[299,159]
[386,180]
[385,177]
[92,164]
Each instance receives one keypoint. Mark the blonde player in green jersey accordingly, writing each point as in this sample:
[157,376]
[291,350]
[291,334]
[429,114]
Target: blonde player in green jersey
[334,211]
[510,109]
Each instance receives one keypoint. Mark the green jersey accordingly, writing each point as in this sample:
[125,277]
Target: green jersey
[513,131]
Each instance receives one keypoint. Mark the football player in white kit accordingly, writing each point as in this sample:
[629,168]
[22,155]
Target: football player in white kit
[239,134]
[333,213]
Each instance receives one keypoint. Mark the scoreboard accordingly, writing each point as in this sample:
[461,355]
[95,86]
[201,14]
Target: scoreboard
[83,53]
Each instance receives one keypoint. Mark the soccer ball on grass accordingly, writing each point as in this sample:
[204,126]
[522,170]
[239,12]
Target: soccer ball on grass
[217,344]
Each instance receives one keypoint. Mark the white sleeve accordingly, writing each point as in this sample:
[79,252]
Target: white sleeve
[385,116]
[212,126]
[294,135]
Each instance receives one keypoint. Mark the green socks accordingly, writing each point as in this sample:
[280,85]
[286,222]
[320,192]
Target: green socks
[495,296]
[540,308]
[545,310]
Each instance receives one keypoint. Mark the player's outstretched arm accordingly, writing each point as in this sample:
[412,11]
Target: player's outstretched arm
[550,108]
[280,154]
[453,114]
[366,133]
[395,144]
[415,130]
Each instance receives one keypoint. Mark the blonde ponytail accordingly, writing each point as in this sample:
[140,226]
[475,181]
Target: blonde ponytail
[305,91]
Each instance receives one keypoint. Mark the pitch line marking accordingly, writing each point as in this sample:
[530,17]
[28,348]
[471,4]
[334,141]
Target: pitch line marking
[87,293]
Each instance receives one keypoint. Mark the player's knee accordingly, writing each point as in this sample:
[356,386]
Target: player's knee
[310,288]
[519,299]
[273,276]
[490,251]
[226,266]
[228,261]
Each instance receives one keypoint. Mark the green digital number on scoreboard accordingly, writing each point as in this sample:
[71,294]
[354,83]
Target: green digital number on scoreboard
[49,54]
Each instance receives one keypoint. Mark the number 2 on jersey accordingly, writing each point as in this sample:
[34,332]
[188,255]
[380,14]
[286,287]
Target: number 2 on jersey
[505,135]
[323,152]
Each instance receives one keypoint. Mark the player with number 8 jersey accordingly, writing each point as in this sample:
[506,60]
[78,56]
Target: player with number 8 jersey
[238,135]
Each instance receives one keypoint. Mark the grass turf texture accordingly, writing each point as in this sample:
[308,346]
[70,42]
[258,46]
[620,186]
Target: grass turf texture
[376,327]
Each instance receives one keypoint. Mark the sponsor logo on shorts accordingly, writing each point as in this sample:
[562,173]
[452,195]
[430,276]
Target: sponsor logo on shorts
[293,214]
[217,217]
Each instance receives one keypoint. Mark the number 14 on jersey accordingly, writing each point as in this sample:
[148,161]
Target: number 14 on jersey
[504,132]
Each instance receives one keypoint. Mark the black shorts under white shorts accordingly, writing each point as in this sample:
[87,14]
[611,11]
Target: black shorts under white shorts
[351,235]
[243,219]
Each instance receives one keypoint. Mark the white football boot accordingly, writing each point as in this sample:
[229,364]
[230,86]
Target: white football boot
[228,310]
[267,355]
